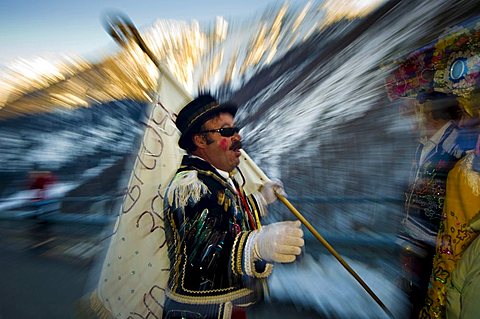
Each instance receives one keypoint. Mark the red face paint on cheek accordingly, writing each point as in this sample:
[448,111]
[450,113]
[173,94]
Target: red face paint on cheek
[224,144]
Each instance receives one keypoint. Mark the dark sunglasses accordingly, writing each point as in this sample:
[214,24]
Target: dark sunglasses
[224,131]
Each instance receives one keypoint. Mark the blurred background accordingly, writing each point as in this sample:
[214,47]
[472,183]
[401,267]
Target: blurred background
[309,77]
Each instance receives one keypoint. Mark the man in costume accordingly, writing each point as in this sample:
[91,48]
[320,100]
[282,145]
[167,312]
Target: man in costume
[437,153]
[219,253]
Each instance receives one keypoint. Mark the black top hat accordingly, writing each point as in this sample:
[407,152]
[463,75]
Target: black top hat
[197,112]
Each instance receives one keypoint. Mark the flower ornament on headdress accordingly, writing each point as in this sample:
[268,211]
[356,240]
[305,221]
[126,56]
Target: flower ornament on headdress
[457,61]
[411,75]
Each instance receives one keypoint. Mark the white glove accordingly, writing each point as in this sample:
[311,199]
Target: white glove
[270,188]
[279,242]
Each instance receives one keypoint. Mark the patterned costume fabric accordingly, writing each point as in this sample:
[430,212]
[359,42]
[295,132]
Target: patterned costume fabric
[462,204]
[209,227]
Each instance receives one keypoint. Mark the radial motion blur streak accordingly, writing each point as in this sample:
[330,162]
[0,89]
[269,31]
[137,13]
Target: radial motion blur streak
[310,79]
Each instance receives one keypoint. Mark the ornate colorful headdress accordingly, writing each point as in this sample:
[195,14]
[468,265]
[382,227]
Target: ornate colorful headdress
[456,60]
[450,65]
[411,75]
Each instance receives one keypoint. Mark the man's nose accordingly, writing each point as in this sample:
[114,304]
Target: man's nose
[237,136]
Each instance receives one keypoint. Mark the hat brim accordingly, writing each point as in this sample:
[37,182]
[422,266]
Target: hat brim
[205,116]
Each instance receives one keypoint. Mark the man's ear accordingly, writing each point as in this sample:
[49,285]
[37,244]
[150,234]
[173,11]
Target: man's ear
[200,141]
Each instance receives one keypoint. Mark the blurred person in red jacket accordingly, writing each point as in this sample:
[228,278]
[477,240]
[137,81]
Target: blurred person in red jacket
[40,181]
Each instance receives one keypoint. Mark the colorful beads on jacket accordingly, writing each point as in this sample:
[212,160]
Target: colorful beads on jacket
[206,238]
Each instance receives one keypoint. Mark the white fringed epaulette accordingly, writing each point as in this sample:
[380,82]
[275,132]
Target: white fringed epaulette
[185,187]
[472,178]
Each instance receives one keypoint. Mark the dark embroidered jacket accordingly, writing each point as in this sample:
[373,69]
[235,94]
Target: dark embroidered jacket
[425,197]
[207,227]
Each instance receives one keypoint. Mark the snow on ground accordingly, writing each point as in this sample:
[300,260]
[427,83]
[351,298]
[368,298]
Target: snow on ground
[25,197]
[16,200]
[56,191]
[324,285]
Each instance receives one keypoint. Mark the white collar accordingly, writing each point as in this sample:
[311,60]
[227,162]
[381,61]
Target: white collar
[435,139]
[432,142]
[224,174]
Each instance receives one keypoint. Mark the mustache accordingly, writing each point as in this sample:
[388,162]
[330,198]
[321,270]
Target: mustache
[236,145]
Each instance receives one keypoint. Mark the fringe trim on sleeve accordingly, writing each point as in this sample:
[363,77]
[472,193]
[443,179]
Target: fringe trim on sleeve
[472,178]
[185,187]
